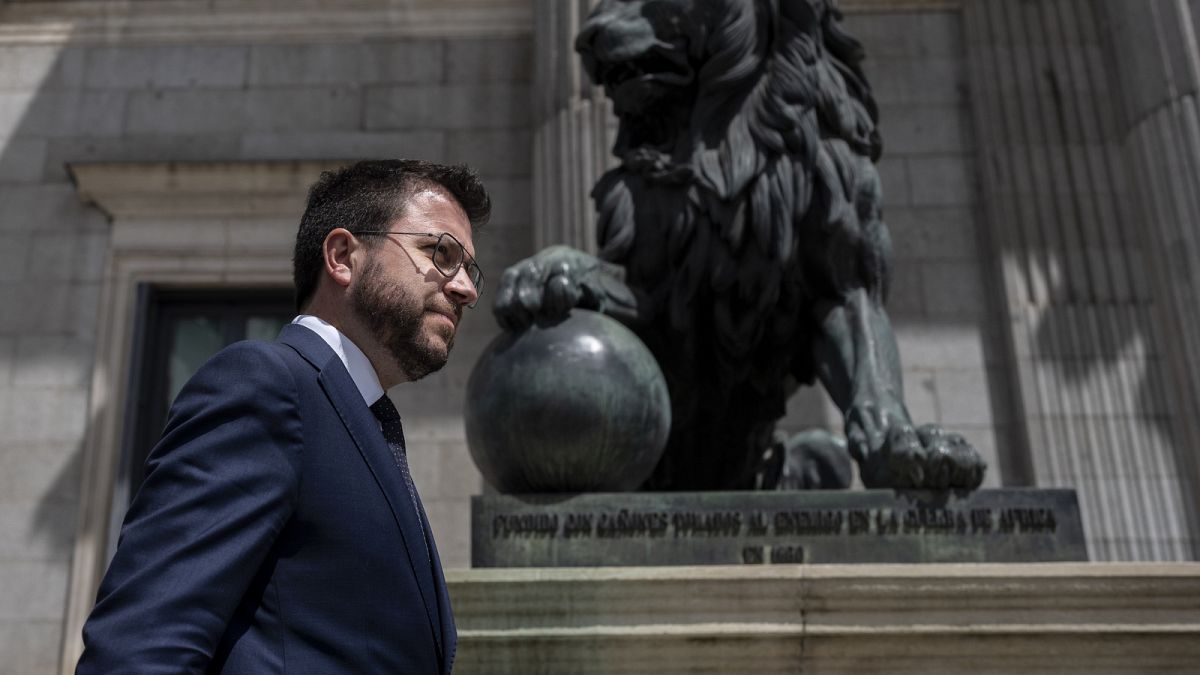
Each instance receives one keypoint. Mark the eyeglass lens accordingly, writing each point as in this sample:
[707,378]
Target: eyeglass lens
[449,255]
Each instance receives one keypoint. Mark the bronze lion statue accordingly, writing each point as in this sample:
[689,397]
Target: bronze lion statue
[741,237]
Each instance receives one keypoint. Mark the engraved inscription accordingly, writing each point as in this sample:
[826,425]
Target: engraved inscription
[781,555]
[1027,520]
[525,525]
[886,522]
[757,524]
[809,522]
[858,521]
[578,525]
[632,524]
[713,524]
[934,521]
[628,523]
[981,521]
[778,528]
[752,555]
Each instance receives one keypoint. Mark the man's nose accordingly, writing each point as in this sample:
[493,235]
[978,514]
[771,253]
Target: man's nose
[460,288]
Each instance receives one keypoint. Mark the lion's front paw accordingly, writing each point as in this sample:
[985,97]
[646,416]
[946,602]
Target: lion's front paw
[927,457]
[950,460]
[543,286]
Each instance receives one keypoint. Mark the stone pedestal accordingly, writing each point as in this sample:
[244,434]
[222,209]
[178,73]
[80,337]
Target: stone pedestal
[1091,618]
[814,526]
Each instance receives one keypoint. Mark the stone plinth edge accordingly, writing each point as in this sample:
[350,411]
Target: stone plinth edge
[979,618]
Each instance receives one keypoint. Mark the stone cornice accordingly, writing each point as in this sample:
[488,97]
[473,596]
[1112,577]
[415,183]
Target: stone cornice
[112,21]
[141,190]
[166,21]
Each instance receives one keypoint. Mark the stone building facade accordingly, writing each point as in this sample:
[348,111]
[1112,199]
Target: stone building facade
[1040,176]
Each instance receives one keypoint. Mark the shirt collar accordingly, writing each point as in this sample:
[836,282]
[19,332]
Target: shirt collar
[357,363]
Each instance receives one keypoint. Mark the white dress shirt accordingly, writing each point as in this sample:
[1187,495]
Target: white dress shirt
[356,362]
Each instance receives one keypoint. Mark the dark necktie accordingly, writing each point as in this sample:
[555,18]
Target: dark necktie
[393,433]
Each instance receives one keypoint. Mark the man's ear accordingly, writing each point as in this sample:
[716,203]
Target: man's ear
[338,253]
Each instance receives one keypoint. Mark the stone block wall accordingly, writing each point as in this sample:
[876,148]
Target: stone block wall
[48,287]
[460,99]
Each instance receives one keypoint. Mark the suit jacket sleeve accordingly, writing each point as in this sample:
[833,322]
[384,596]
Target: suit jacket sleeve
[219,487]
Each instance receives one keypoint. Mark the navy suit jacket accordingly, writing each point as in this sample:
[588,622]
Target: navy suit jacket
[273,534]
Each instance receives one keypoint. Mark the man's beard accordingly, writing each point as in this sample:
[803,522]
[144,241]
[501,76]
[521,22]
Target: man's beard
[395,317]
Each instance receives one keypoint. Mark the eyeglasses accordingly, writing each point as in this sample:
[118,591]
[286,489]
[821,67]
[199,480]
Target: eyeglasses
[448,257]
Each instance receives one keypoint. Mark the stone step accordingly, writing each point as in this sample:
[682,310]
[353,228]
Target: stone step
[960,618]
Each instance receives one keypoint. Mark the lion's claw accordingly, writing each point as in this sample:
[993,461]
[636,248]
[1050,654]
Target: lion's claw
[559,296]
[926,457]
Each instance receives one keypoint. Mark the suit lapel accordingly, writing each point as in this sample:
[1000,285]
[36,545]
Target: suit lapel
[364,430]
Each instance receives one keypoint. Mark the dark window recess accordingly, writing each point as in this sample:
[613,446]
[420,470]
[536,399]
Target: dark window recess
[179,330]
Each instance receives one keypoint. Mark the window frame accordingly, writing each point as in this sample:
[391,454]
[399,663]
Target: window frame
[145,414]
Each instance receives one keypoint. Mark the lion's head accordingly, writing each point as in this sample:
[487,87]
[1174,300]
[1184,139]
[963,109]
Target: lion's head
[691,78]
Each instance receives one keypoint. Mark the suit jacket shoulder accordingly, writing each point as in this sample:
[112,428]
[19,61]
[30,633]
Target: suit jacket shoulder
[219,487]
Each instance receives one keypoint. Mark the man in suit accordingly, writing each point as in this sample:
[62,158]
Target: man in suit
[278,529]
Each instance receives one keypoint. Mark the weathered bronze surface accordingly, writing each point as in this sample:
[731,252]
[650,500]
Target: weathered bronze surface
[814,526]
[571,405]
[741,237]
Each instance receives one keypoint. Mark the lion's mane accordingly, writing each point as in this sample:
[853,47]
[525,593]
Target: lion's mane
[756,209]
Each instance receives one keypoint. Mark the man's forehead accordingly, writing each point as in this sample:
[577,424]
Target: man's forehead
[435,208]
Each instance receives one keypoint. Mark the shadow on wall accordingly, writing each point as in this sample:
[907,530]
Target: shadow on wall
[1109,364]
[1110,409]
[54,519]
[49,287]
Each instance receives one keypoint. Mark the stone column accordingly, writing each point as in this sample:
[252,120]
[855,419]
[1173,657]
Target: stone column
[1071,249]
[1153,52]
[572,127]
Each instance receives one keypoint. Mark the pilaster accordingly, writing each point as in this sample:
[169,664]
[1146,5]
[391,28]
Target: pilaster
[1155,68]
[1073,255]
[572,130]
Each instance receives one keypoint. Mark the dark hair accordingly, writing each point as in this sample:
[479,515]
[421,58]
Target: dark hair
[369,196]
